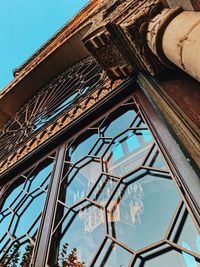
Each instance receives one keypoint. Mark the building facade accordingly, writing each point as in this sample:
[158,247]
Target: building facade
[100,152]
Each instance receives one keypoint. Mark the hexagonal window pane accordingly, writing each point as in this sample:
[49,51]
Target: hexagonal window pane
[20,212]
[113,255]
[38,177]
[134,210]
[31,208]
[80,234]
[127,152]
[118,121]
[81,179]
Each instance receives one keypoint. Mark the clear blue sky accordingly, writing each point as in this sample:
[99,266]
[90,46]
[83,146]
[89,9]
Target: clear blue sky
[27,24]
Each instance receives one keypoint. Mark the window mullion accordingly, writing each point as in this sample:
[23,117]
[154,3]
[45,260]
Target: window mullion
[48,215]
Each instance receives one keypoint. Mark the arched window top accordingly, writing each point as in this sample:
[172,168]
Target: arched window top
[61,93]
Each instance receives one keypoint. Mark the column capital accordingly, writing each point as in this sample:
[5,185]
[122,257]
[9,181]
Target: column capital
[155,31]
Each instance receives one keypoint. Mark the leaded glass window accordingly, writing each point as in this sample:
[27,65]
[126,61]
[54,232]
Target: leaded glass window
[64,91]
[21,205]
[118,203]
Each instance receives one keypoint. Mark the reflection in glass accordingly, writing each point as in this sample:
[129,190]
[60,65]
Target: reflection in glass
[117,189]
[127,152]
[81,179]
[83,230]
[135,208]
[82,146]
[103,189]
[19,254]
[155,160]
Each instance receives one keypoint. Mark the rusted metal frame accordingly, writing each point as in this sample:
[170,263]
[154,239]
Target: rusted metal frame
[108,252]
[150,247]
[163,142]
[147,120]
[56,227]
[5,177]
[94,203]
[168,163]
[188,176]
[44,232]
[121,91]
[66,228]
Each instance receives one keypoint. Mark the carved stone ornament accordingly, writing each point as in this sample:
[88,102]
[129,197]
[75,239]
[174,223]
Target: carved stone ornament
[107,53]
[118,37]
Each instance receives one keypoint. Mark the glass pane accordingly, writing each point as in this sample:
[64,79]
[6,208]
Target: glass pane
[134,210]
[127,152]
[113,255]
[185,233]
[82,231]
[117,122]
[81,179]
[173,258]
[155,160]
[20,214]
[82,146]
[103,189]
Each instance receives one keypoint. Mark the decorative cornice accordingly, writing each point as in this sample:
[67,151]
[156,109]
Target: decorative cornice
[127,22]
[58,125]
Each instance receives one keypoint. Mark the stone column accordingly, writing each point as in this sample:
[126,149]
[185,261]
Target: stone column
[174,37]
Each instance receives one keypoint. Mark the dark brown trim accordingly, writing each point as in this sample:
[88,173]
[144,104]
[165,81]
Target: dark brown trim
[189,179]
[48,213]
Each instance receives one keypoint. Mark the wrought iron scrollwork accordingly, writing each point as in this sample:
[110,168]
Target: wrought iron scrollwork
[64,91]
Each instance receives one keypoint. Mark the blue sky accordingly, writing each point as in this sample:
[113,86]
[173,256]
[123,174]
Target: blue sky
[27,24]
